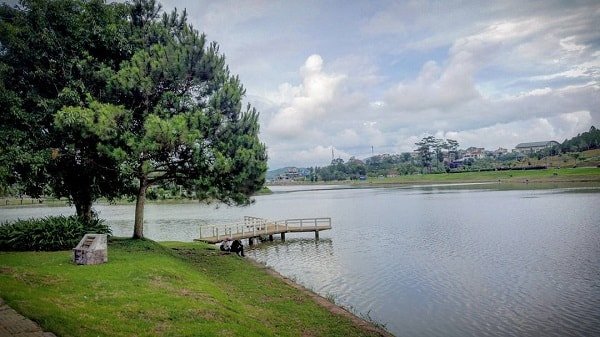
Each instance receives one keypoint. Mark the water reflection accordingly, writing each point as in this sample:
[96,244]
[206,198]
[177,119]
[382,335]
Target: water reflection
[306,255]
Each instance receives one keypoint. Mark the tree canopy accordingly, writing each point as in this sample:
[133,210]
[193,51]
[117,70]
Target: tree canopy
[430,150]
[145,100]
[582,142]
[55,54]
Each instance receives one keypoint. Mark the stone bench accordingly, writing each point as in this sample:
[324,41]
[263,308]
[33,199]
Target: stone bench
[92,249]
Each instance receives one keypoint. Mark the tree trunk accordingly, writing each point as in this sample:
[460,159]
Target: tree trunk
[83,207]
[138,227]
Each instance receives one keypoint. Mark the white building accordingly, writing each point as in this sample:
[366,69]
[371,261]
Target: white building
[535,146]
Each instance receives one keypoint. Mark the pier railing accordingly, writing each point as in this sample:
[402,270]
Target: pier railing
[254,227]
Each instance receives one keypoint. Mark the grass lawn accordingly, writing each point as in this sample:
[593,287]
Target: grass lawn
[168,289]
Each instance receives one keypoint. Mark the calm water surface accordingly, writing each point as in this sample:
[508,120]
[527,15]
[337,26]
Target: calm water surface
[428,261]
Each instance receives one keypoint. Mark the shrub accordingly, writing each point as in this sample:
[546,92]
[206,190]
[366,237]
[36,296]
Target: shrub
[46,234]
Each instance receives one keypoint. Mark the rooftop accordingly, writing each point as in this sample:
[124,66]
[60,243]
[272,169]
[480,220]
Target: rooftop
[537,144]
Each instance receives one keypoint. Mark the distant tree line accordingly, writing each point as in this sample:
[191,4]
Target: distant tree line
[356,169]
[582,142]
[429,157]
[434,155]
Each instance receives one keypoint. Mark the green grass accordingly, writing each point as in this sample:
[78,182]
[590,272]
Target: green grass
[172,289]
[584,174]
[589,158]
[31,202]
[264,190]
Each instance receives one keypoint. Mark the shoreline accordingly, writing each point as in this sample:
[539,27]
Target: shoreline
[499,185]
[577,177]
[322,301]
[549,175]
[192,278]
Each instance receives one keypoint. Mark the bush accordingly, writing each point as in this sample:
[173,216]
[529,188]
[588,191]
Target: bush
[47,234]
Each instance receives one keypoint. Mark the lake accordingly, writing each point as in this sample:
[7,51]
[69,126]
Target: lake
[425,261]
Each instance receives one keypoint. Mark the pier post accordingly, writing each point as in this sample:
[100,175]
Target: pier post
[271,237]
[283,237]
[250,241]
[316,235]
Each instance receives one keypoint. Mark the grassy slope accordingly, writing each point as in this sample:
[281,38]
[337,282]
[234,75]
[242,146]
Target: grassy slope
[584,174]
[589,158]
[151,290]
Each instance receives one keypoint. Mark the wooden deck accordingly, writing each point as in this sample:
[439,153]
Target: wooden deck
[252,228]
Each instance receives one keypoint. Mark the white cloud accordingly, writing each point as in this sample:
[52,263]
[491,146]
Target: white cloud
[448,96]
[406,143]
[442,88]
[377,104]
[374,135]
[348,138]
[318,155]
[570,124]
[304,104]
[570,45]
[435,88]
[585,70]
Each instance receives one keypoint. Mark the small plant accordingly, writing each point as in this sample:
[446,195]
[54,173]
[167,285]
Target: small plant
[367,317]
[331,298]
[47,234]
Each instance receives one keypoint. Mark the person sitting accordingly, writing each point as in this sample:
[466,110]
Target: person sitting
[226,245]
[237,247]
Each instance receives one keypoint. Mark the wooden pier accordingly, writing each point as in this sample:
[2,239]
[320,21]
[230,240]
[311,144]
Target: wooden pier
[253,228]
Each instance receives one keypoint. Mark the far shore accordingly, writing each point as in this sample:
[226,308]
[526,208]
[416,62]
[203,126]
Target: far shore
[552,175]
[518,179]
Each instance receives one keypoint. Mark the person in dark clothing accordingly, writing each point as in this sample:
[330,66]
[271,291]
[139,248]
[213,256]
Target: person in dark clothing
[226,245]
[237,247]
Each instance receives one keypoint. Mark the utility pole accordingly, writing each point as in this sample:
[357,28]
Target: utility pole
[372,151]
[332,154]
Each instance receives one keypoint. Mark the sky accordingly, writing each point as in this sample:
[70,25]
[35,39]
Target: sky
[372,77]
[366,77]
